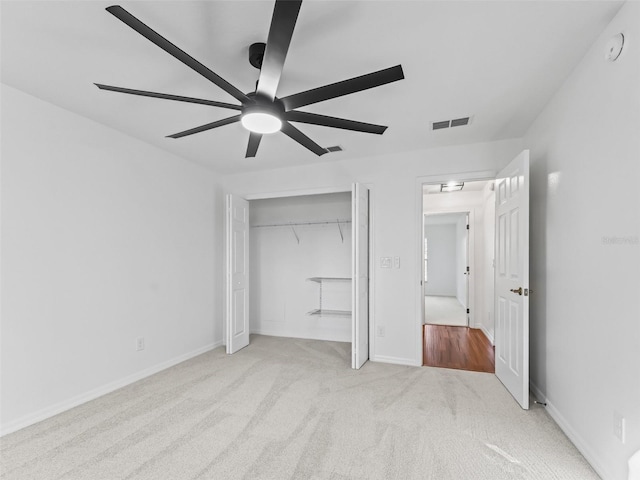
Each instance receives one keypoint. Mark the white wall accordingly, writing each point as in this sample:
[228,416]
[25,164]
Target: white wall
[280,294]
[442,261]
[485,319]
[461,260]
[396,229]
[585,250]
[104,239]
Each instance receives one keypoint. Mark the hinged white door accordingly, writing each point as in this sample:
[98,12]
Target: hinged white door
[512,278]
[237,269]
[360,275]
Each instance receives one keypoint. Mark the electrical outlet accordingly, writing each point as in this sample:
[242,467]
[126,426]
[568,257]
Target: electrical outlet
[619,426]
[380,331]
[140,343]
[396,262]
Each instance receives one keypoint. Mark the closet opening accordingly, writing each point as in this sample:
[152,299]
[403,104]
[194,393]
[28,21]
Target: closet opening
[298,268]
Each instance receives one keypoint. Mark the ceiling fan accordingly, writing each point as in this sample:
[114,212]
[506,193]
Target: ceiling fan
[261,112]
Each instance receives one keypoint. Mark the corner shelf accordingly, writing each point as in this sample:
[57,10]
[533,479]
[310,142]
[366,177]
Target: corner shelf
[328,311]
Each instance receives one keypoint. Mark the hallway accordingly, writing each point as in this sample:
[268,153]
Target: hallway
[460,348]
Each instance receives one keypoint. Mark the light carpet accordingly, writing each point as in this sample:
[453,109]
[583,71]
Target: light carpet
[293,409]
[442,310]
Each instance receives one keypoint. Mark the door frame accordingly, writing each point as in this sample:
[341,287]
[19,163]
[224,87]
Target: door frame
[419,236]
[319,191]
[470,258]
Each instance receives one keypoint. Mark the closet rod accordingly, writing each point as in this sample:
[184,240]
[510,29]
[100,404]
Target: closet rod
[295,224]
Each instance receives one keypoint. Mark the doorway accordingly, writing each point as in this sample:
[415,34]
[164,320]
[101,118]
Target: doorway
[510,267]
[446,269]
[298,266]
[457,278]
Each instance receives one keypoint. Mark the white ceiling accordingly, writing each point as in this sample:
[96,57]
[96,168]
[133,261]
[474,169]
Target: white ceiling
[499,61]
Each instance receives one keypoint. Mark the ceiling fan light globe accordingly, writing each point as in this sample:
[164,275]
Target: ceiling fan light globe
[261,122]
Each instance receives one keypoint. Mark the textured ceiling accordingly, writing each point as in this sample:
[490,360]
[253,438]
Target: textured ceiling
[498,61]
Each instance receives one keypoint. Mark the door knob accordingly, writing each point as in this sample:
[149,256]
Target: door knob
[517,290]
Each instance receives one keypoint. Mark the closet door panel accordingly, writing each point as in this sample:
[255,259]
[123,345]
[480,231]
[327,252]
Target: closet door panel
[237,314]
[360,286]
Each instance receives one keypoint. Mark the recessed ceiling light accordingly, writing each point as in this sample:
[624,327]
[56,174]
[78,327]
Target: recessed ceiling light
[451,186]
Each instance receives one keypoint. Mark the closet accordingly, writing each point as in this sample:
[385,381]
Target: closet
[300,282]
[297,266]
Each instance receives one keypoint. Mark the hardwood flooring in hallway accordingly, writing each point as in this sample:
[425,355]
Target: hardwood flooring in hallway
[461,348]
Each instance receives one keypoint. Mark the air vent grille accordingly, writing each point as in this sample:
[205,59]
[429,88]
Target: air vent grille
[456,122]
[460,121]
[439,125]
[335,148]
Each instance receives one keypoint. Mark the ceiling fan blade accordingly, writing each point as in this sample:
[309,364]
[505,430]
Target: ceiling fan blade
[124,16]
[254,142]
[208,126]
[302,139]
[178,98]
[325,121]
[283,21]
[345,87]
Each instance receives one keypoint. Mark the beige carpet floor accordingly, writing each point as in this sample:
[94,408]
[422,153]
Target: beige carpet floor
[441,310]
[293,409]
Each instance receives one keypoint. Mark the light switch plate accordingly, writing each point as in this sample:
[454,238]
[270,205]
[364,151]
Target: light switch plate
[396,262]
[385,262]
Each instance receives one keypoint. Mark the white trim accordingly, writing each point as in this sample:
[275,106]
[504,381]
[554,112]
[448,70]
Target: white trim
[372,270]
[297,193]
[72,402]
[590,456]
[396,360]
[486,333]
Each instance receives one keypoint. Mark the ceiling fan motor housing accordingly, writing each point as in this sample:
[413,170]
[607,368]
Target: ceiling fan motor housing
[256,54]
[263,105]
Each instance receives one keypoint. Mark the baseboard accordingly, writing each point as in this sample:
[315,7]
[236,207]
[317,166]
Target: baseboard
[486,333]
[590,456]
[395,360]
[65,405]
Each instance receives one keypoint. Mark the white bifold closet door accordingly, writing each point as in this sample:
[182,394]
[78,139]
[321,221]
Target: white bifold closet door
[360,275]
[237,243]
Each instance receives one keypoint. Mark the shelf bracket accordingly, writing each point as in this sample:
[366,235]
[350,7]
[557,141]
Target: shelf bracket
[340,230]
[295,234]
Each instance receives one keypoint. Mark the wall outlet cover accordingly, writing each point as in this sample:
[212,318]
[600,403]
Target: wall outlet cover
[619,426]
[385,262]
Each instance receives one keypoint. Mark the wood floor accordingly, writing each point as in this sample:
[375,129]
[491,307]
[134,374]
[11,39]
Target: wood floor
[461,348]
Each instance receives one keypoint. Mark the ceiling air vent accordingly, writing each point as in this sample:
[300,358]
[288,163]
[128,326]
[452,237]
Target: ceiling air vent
[439,125]
[335,148]
[460,121]
[456,122]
